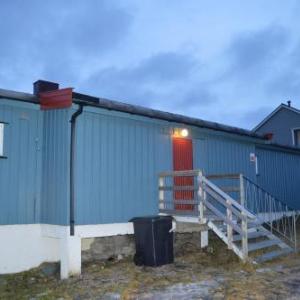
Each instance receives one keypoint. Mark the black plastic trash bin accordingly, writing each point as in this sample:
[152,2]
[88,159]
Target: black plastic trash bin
[153,240]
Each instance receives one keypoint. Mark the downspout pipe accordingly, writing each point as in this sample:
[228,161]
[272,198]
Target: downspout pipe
[76,114]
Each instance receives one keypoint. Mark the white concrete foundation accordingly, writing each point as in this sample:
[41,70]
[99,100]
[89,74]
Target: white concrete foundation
[27,246]
[24,247]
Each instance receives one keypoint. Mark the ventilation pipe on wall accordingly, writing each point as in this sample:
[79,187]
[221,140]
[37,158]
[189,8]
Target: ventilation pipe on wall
[72,159]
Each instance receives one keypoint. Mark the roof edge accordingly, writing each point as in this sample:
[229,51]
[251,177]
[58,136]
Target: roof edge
[13,95]
[161,115]
[138,110]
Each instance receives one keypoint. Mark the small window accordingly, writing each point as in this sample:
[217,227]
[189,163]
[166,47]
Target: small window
[297,137]
[1,139]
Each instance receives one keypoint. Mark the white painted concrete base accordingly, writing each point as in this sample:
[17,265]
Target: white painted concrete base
[204,239]
[70,256]
[24,247]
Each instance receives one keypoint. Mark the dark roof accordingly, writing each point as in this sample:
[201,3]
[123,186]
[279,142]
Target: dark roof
[26,97]
[151,113]
[157,114]
[277,109]
[137,110]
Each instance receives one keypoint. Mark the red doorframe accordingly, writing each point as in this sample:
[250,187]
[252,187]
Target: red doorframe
[183,160]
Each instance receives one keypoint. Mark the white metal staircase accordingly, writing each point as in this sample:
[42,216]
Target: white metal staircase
[253,224]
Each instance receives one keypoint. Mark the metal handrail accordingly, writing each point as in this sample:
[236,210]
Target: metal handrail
[207,189]
[265,191]
[199,197]
[279,217]
[226,196]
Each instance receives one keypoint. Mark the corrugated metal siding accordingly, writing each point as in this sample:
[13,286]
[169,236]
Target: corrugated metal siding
[119,156]
[20,173]
[218,155]
[55,179]
[279,174]
[117,163]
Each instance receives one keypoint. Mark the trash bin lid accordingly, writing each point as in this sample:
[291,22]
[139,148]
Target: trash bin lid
[154,218]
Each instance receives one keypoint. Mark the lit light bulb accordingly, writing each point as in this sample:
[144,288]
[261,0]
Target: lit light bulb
[184,132]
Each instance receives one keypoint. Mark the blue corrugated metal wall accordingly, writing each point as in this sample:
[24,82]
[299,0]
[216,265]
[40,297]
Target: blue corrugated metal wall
[279,174]
[118,157]
[20,173]
[56,160]
[218,154]
[117,163]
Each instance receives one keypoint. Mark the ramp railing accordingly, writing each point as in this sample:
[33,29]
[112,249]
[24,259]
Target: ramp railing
[275,215]
[190,193]
[178,193]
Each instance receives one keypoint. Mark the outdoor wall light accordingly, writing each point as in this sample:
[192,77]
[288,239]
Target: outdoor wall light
[180,132]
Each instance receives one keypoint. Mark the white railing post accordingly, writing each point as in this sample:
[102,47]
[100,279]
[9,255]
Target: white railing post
[244,220]
[295,230]
[161,195]
[201,197]
[242,190]
[229,227]
[245,236]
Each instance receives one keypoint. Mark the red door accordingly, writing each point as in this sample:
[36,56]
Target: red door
[183,160]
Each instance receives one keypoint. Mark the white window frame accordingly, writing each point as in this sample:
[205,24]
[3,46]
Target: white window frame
[2,125]
[293,136]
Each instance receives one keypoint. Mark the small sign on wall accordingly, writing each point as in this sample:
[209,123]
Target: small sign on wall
[252,157]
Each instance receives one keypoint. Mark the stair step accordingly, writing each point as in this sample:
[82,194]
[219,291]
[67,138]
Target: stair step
[273,254]
[251,235]
[261,245]
[254,224]
[223,228]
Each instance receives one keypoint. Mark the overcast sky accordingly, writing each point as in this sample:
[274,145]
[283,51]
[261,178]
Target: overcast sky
[227,61]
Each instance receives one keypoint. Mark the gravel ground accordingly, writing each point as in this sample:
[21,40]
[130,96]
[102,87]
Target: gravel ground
[211,274]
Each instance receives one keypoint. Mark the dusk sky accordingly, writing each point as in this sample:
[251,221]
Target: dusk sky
[227,61]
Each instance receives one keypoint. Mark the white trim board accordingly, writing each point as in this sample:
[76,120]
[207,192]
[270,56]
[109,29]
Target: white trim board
[293,135]
[102,230]
[87,231]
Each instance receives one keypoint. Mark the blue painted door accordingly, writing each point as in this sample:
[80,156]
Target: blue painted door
[19,171]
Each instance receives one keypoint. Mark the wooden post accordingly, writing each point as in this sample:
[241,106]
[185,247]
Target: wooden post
[229,227]
[161,195]
[201,196]
[244,220]
[242,190]
[245,237]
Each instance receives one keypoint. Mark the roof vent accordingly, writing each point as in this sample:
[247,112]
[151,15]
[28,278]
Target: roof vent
[289,102]
[41,86]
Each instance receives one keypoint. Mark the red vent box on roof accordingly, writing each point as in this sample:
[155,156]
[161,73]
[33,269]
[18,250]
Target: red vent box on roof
[56,99]
[269,136]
